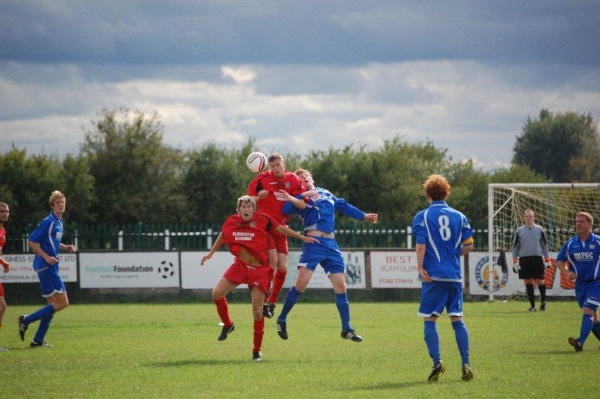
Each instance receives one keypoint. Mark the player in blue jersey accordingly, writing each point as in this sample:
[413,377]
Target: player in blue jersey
[579,260]
[45,241]
[443,235]
[317,208]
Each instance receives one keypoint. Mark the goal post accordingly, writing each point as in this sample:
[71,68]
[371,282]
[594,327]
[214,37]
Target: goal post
[555,206]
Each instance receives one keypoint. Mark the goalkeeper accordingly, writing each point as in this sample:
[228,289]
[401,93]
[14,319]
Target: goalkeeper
[531,258]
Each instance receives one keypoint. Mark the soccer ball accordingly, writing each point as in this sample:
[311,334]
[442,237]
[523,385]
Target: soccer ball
[256,162]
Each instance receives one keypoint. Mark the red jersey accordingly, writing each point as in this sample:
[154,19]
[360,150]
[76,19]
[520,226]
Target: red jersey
[2,239]
[270,204]
[251,234]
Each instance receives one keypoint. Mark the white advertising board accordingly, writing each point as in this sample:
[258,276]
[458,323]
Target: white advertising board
[21,268]
[508,283]
[129,270]
[394,269]
[194,276]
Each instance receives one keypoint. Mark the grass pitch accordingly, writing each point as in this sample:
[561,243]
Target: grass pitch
[171,351]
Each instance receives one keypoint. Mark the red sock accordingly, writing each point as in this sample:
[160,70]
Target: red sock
[259,332]
[223,311]
[277,285]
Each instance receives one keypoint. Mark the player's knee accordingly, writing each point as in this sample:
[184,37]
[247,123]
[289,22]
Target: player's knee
[58,306]
[216,295]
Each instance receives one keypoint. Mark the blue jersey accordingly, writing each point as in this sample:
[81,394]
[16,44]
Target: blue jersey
[442,230]
[583,257]
[320,214]
[48,234]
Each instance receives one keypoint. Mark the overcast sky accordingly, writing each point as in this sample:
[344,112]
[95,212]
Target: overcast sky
[298,75]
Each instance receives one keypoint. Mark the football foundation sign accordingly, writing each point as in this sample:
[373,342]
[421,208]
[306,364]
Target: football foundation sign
[129,270]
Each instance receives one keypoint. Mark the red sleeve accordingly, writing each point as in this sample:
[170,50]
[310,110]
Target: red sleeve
[255,185]
[297,187]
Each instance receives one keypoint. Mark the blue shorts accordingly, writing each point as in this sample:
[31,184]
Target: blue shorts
[51,282]
[327,253]
[588,295]
[437,295]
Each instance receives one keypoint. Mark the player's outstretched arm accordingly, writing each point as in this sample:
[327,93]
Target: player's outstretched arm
[69,248]
[291,233]
[216,245]
[371,217]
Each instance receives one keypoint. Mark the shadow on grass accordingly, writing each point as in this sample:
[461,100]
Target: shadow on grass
[197,362]
[565,352]
[386,386]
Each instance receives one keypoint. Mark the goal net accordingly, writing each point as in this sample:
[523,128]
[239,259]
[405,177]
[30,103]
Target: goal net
[555,206]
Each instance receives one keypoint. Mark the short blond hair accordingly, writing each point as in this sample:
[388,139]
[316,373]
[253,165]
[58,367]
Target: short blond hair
[587,217]
[244,199]
[301,171]
[56,195]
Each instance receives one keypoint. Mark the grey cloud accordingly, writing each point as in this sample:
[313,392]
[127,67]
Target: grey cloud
[300,32]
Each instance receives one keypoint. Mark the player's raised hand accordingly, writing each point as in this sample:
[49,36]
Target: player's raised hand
[371,217]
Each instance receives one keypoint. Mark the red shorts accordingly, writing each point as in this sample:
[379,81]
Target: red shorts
[1,290]
[254,276]
[279,242]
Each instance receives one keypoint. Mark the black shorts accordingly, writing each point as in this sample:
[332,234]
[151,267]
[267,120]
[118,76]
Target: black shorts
[531,267]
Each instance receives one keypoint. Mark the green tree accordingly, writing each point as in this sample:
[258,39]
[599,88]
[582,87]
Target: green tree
[27,183]
[562,147]
[79,189]
[136,176]
[386,180]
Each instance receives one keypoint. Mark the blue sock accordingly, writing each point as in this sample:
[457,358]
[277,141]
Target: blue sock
[586,328]
[432,340]
[343,306]
[40,313]
[290,300]
[596,329]
[462,340]
[43,328]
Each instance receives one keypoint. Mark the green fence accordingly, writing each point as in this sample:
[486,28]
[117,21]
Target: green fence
[187,236]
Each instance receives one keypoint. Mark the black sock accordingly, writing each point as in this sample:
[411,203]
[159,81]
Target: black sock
[542,289]
[530,295]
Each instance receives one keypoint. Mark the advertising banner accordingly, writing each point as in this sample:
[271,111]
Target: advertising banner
[194,276]
[394,269]
[507,282]
[129,270]
[21,268]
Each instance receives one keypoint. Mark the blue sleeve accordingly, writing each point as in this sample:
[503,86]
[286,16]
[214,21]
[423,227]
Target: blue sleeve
[562,254]
[419,230]
[467,231]
[349,210]
[40,231]
[289,208]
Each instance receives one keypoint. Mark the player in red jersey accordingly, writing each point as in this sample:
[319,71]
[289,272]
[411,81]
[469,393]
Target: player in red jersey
[4,213]
[246,234]
[263,189]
